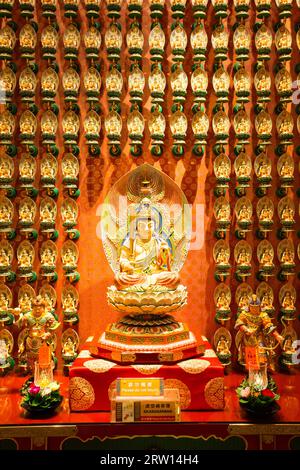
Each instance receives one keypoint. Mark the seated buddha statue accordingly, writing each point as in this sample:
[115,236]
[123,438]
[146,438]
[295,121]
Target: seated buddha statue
[146,256]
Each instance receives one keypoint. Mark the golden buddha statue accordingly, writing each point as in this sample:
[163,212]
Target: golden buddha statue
[222,348]
[244,214]
[223,302]
[146,246]
[287,214]
[288,301]
[244,257]
[266,258]
[68,349]
[287,256]
[266,214]
[256,333]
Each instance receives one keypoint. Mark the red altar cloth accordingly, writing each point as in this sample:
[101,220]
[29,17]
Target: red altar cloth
[200,380]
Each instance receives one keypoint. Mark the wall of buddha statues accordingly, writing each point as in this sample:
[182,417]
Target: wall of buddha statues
[205,90]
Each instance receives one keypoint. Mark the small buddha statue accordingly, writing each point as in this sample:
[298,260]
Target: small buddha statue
[244,214]
[222,257]
[287,256]
[244,257]
[68,349]
[222,213]
[222,348]
[266,258]
[266,214]
[263,169]
[287,214]
[223,302]
[288,301]
[266,301]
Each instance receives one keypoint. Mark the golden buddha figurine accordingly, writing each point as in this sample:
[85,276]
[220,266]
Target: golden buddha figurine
[267,302]
[222,348]
[256,332]
[266,257]
[288,302]
[223,302]
[40,326]
[146,256]
[287,214]
[68,349]
[287,256]
[244,257]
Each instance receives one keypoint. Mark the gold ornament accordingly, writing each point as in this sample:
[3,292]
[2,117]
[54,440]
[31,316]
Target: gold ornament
[49,125]
[157,84]
[70,125]
[71,40]
[113,41]
[71,84]
[285,126]
[242,42]
[28,125]
[262,83]
[92,84]
[81,394]
[7,127]
[242,85]
[157,41]
[263,125]
[27,84]
[284,85]
[49,84]
[92,127]
[28,40]
[199,41]
[219,40]
[283,42]
[8,41]
[113,126]
[221,126]
[221,82]
[49,40]
[92,42]
[199,84]
[8,83]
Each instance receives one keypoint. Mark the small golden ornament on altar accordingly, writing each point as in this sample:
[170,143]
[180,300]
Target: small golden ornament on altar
[263,126]
[7,127]
[243,257]
[286,213]
[113,41]
[179,83]
[70,301]
[49,125]
[220,7]
[92,127]
[8,83]
[178,125]
[157,84]
[49,40]
[6,316]
[69,213]
[243,168]
[157,127]
[70,125]
[242,125]
[71,40]
[28,40]
[265,256]
[285,127]
[262,83]
[70,344]
[243,211]
[157,41]
[135,125]
[71,84]
[283,43]
[49,168]
[8,41]
[178,42]
[92,42]
[6,257]
[286,257]
[114,84]
[265,213]
[287,299]
[25,256]
[199,41]
[285,169]
[28,126]
[219,40]
[222,298]
[284,85]
[27,170]
[135,42]
[49,84]
[200,126]
[26,294]
[48,211]
[241,8]
[69,257]
[27,213]
[222,170]
[27,84]
[199,84]
[6,213]
[136,84]
[242,85]
[242,42]
[221,82]
[113,127]
[222,344]
[263,169]
[221,254]
[221,126]
[48,257]
[70,170]
[6,171]
[263,42]
[222,215]
[92,84]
